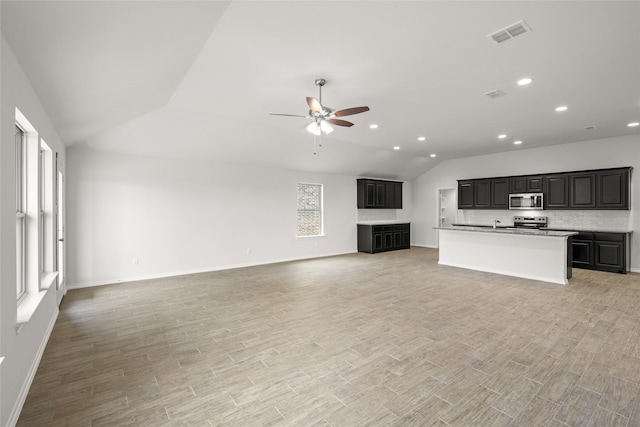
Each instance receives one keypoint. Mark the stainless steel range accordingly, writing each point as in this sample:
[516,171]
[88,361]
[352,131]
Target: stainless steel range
[530,222]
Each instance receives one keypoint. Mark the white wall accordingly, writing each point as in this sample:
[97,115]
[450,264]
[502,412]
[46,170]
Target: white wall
[20,351]
[594,154]
[179,216]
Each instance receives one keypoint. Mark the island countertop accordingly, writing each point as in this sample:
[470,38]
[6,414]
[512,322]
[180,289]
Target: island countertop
[509,230]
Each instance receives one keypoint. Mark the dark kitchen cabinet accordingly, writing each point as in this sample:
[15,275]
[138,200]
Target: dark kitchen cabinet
[379,194]
[366,194]
[582,250]
[389,195]
[465,194]
[556,194]
[582,190]
[500,193]
[380,188]
[526,184]
[383,237]
[398,195]
[612,189]
[591,189]
[482,194]
[601,251]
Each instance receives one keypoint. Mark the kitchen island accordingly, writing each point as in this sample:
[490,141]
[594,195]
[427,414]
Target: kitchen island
[543,255]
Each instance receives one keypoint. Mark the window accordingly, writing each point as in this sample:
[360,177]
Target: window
[35,233]
[46,242]
[309,210]
[41,198]
[21,208]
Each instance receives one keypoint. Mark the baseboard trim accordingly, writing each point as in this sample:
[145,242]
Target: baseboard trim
[187,272]
[424,246]
[24,391]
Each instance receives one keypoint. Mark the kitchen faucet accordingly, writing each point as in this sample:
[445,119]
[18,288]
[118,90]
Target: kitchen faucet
[495,223]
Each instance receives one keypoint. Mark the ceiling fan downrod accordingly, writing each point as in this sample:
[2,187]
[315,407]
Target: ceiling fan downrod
[320,83]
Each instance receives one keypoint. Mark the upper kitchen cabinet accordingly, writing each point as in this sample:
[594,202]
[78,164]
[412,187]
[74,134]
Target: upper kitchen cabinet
[483,194]
[612,189]
[465,194]
[379,194]
[500,193]
[600,189]
[556,194]
[582,190]
[526,184]
[590,189]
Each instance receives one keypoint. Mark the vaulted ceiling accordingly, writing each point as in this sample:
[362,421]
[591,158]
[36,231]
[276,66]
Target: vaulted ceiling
[198,79]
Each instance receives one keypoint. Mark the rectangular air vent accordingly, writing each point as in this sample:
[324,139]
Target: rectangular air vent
[495,94]
[510,32]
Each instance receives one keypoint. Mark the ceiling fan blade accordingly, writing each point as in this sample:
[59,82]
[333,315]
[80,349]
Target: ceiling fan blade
[350,111]
[339,122]
[314,105]
[289,115]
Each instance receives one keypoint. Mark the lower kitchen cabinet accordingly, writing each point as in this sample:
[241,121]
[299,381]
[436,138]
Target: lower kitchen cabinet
[383,237]
[601,251]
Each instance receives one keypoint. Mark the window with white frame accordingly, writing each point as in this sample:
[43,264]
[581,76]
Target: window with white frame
[21,213]
[310,210]
[46,239]
[35,232]
[41,199]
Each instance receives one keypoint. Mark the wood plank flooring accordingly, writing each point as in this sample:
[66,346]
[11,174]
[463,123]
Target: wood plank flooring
[359,339]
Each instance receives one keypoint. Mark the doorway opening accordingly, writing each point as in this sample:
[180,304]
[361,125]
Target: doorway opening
[447,208]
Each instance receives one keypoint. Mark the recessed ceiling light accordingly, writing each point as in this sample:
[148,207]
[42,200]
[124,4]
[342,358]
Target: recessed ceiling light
[633,124]
[433,155]
[502,136]
[396,148]
[525,81]
[517,142]
[421,138]
[373,126]
[562,108]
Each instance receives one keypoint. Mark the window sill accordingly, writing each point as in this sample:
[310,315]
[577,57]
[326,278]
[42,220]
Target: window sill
[29,304]
[47,279]
[309,237]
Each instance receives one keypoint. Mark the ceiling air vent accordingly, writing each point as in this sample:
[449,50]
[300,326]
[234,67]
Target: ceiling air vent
[495,94]
[510,32]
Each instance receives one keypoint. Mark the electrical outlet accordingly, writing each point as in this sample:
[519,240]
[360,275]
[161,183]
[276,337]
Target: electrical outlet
[248,251]
[135,262]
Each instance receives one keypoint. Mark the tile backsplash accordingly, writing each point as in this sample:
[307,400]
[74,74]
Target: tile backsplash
[596,219]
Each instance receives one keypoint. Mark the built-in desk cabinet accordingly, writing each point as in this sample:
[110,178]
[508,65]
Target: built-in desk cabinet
[383,237]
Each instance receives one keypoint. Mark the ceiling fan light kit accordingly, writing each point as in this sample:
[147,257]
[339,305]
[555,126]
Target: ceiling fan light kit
[323,117]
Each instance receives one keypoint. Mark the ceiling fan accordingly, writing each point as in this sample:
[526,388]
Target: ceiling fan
[322,115]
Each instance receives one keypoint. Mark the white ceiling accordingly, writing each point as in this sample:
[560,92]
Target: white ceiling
[199,79]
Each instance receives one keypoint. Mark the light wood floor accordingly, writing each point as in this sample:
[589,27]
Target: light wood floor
[386,339]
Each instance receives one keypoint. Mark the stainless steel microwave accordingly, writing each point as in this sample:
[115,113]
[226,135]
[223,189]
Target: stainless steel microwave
[528,201]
